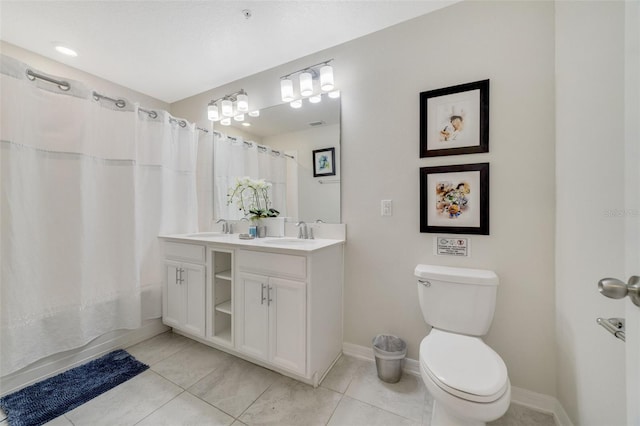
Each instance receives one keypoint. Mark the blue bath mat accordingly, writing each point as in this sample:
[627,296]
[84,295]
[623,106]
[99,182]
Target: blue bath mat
[52,397]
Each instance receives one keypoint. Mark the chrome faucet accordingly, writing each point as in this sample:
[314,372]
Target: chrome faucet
[226,227]
[303,232]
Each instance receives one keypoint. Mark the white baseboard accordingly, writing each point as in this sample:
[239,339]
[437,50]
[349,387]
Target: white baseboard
[63,361]
[534,400]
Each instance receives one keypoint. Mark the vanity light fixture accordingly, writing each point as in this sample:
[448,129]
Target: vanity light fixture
[239,117]
[226,121]
[224,107]
[322,72]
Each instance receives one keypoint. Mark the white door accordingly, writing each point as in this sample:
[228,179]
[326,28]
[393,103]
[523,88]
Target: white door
[252,315]
[632,191]
[172,300]
[193,287]
[287,324]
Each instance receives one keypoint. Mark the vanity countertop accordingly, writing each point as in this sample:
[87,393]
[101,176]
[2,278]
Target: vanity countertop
[271,243]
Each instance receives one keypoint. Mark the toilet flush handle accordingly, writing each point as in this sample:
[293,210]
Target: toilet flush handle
[425,283]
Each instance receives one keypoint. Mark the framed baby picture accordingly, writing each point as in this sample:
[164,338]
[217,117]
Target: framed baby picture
[324,162]
[455,199]
[455,120]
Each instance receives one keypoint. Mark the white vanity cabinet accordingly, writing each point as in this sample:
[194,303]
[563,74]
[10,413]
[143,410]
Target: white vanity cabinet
[277,303]
[183,301]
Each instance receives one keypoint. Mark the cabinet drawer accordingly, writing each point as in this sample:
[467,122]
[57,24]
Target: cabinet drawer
[188,252]
[273,263]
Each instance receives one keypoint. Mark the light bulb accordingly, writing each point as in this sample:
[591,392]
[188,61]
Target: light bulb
[315,99]
[306,84]
[227,108]
[226,121]
[335,94]
[326,78]
[242,102]
[66,51]
[296,104]
[255,113]
[286,89]
[239,117]
[213,113]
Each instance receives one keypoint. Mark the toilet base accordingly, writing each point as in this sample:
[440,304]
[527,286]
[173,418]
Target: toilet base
[440,417]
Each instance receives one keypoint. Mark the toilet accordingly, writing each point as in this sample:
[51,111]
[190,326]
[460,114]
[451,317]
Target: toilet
[467,379]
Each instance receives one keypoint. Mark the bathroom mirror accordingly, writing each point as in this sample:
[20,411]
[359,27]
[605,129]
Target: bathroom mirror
[297,133]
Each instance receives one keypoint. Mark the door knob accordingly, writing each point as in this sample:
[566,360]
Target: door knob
[616,289]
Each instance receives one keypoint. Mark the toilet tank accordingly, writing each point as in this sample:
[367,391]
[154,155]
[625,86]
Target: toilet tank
[459,300]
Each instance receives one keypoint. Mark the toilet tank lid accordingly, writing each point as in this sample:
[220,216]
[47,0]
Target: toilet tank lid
[457,275]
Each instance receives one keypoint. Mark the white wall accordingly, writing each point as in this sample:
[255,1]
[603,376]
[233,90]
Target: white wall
[381,76]
[590,193]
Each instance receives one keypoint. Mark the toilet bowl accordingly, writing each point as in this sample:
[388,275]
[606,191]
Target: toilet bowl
[467,379]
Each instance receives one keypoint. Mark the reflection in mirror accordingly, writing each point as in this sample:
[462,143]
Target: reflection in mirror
[290,135]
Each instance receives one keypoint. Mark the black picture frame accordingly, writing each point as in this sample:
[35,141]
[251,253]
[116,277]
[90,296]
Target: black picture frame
[443,187]
[324,162]
[443,111]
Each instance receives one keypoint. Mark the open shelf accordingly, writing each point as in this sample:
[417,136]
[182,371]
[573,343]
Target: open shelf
[224,307]
[224,334]
[224,275]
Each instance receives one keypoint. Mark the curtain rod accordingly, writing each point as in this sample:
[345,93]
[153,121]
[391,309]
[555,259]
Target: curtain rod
[120,103]
[250,144]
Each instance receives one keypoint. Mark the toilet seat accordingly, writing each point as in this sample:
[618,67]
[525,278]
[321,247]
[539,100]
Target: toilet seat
[463,366]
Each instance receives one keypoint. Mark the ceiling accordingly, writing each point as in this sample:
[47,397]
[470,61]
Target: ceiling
[171,50]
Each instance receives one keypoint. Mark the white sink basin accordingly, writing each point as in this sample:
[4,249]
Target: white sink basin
[287,241]
[205,235]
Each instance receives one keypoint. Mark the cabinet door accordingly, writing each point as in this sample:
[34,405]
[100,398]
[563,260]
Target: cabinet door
[193,286]
[173,309]
[252,315]
[287,324]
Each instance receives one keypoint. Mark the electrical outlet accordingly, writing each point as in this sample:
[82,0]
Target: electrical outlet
[386,207]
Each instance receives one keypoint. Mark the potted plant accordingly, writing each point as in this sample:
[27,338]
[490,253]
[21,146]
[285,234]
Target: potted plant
[252,197]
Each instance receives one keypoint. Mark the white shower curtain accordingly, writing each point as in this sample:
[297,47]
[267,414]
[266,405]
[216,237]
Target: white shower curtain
[167,201]
[81,190]
[234,158]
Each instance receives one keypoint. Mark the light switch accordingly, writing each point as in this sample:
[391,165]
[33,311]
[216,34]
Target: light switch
[386,208]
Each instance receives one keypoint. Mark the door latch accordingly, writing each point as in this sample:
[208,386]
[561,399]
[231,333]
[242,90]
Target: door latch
[614,326]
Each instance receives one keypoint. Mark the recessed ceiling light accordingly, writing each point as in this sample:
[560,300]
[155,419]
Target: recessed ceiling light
[246,124]
[66,51]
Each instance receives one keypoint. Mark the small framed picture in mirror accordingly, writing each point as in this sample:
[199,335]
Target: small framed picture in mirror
[324,162]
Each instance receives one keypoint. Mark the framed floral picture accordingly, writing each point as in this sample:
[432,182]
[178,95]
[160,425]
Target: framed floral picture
[324,162]
[455,199]
[455,120]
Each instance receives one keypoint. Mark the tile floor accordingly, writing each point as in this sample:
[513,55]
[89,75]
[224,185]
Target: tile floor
[192,384]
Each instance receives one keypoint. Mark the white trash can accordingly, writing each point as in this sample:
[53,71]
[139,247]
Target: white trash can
[390,352]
